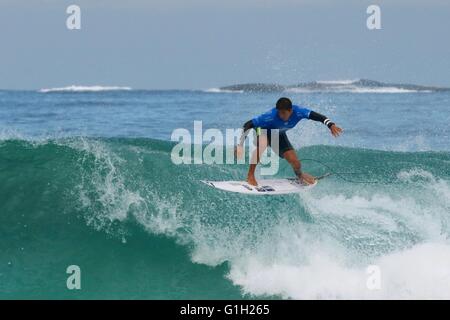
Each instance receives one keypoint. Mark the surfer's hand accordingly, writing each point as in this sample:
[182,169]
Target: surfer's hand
[335,130]
[238,151]
[307,178]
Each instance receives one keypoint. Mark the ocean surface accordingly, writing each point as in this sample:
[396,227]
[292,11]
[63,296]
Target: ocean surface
[86,179]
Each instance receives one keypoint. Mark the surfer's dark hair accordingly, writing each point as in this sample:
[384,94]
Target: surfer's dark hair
[284,104]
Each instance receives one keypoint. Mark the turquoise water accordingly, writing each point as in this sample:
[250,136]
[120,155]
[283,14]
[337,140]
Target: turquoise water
[87,179]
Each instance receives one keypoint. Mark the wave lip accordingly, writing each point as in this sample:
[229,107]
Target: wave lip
[75,88]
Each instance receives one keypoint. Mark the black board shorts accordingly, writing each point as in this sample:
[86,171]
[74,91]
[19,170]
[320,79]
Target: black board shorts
[283,145]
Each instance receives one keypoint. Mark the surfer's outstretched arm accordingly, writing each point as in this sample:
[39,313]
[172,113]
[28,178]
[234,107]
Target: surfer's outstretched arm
[335,130]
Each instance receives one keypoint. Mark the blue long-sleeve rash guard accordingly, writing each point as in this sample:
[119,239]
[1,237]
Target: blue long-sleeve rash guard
[271,120]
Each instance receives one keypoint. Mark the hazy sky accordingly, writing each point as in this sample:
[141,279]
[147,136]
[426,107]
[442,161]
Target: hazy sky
[165,44]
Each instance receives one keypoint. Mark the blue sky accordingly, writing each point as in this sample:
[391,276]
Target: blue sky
[197,44]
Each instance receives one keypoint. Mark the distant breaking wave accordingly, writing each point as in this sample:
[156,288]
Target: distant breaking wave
[85,89]
[353,89]
[219,90]
[352,86]
[338,86]
[338,82]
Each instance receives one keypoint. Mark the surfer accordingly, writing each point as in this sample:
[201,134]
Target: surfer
[283,117]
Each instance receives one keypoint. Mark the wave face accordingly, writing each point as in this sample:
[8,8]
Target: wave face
[141,227]
[84,89]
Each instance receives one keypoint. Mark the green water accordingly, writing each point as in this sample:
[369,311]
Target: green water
[139,226]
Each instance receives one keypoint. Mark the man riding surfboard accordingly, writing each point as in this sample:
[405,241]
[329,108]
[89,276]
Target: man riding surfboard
[282,118]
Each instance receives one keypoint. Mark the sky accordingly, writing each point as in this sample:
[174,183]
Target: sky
[200,44]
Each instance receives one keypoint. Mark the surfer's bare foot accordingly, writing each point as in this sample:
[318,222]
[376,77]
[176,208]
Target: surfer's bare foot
[251,180]
[307,178]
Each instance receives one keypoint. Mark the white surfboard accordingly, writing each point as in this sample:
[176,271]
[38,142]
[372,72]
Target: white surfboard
[264,187]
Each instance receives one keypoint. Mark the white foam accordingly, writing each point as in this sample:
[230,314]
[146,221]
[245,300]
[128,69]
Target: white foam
[106,191]
[11,134]
[419,272]
[337,82]
[165,217]
[354,89]
[75,88]
[328,258]
[112,200]
[218,90]
[384,90]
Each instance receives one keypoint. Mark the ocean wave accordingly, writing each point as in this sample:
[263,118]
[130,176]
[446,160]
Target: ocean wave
[74,88]
[318,244]
[405,236]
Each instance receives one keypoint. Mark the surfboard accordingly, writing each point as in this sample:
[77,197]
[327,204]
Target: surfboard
[264,187]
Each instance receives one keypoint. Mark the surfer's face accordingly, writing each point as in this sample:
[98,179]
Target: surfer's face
[284,114]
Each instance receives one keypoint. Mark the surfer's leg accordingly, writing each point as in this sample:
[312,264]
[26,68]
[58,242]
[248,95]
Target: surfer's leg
[291,157]
[284,145]
[261,145]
